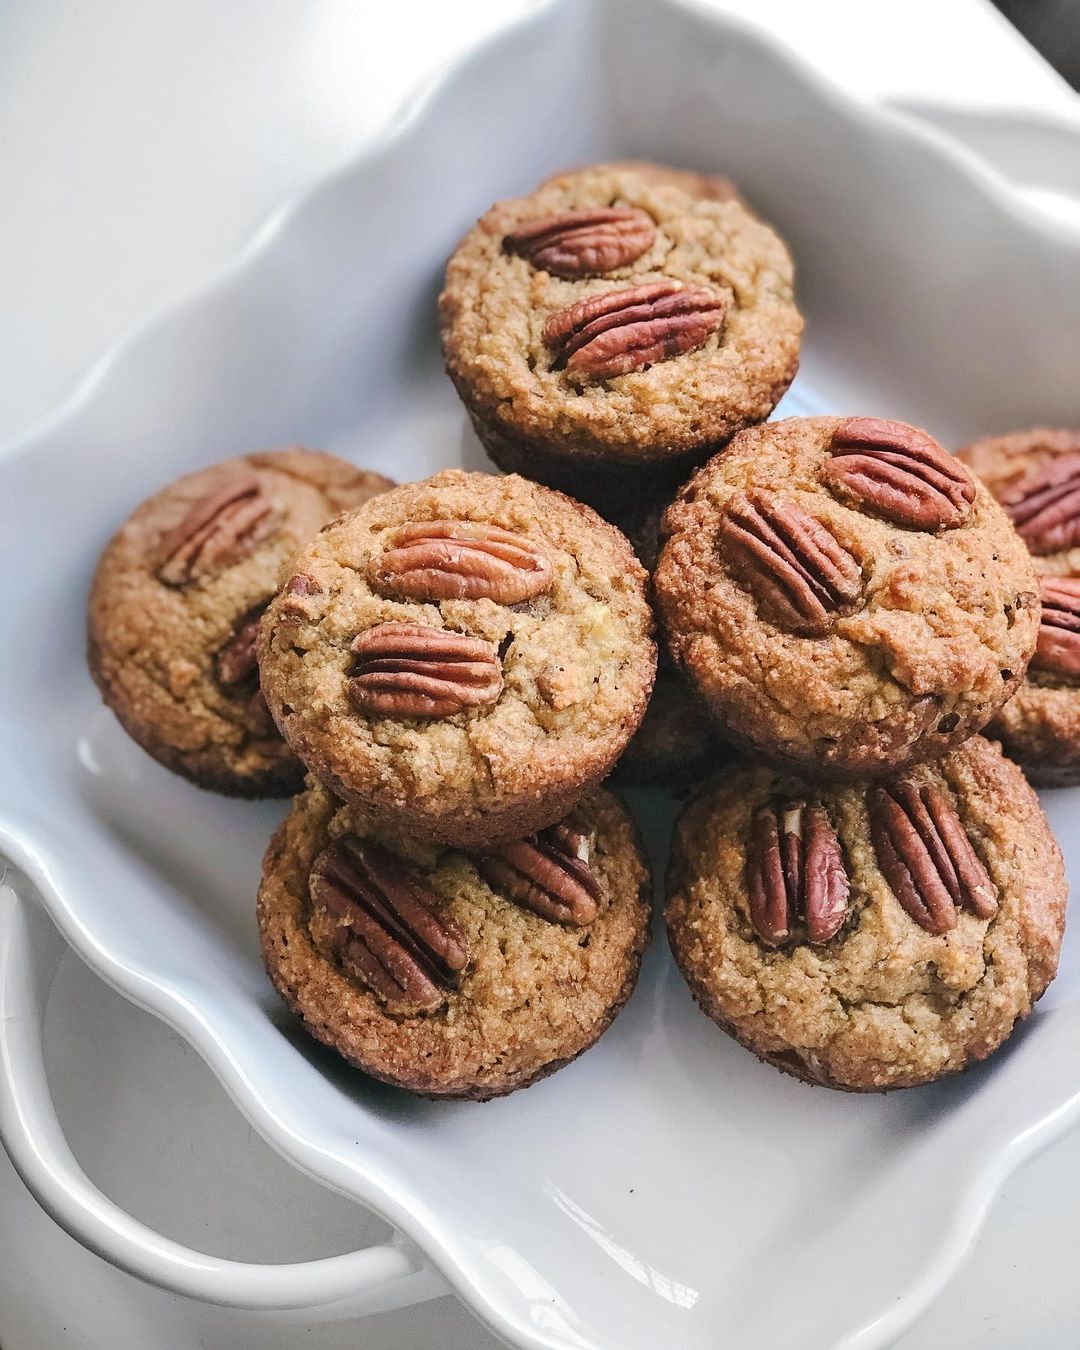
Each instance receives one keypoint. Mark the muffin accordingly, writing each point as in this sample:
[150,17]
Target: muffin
[676,744]
[464,658]
[175,604]
[868,936]
[1036,476]
[845,595]
[712,187]
[454,974]
[611,329]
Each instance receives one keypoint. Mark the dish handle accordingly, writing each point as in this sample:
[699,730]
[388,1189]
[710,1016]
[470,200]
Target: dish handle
[374,1279]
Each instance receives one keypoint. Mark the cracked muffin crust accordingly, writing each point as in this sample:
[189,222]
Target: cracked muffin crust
[869,937]
[464,657]
[1036,476]
[175,601]
[846,596]
[475,994]
[611,321]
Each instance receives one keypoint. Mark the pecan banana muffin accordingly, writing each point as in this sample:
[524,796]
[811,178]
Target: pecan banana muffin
[846,595]
[463,657]
[676,744]
[1036,477]
[454,974]
[613,322]
[869,935]
[175,604]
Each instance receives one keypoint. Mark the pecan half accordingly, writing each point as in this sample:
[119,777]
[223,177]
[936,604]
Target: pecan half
[236,663]
[900,473]
[925,855]
[795,871]
[390,930]
[619,331]
[1058,649]
[460,560]
[791,561]
[584,243]
[409,670]
[1045,505]
[219,529]
[548,873]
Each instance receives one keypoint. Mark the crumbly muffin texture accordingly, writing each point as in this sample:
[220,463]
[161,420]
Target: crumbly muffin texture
[1040,726]
[577,665]
[707,186]
[536,416]
[883,1003]
[934,636]
[534,994]
[155,645]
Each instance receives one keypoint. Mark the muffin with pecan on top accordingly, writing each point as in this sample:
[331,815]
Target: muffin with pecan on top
[175,605]
[612,327]
[454,974]
[1036,477]
[845,595]
[463,658]
[868,936]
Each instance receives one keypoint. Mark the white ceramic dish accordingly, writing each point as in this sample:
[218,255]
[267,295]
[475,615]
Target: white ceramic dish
[662,1189]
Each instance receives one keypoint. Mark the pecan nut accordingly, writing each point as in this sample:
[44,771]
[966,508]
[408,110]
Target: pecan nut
[389,928]
[1058,649]
[584,243]
[410,670]
[791,561]
[548,873]
[219,529]
[619,331]
[900,473]
[236,663]
[1045,505]
[460,560]
[299,596]
[795,871]
[926,856]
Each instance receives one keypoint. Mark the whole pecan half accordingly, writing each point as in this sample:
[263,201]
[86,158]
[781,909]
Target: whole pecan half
[390,929]
[619,331]
[410,670]
[548,873]
[1045,505]
[584,243]
[1058,649]
[795,871]
[900,473]
[219,529]
[925,855]
[791,561]
[460,560]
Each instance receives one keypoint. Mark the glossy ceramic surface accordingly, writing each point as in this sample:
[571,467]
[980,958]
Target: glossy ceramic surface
[661,1189]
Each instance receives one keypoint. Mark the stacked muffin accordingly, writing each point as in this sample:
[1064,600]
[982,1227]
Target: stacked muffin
[877,898]
[870,898]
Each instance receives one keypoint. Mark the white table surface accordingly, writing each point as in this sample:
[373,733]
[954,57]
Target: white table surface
[142,142]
